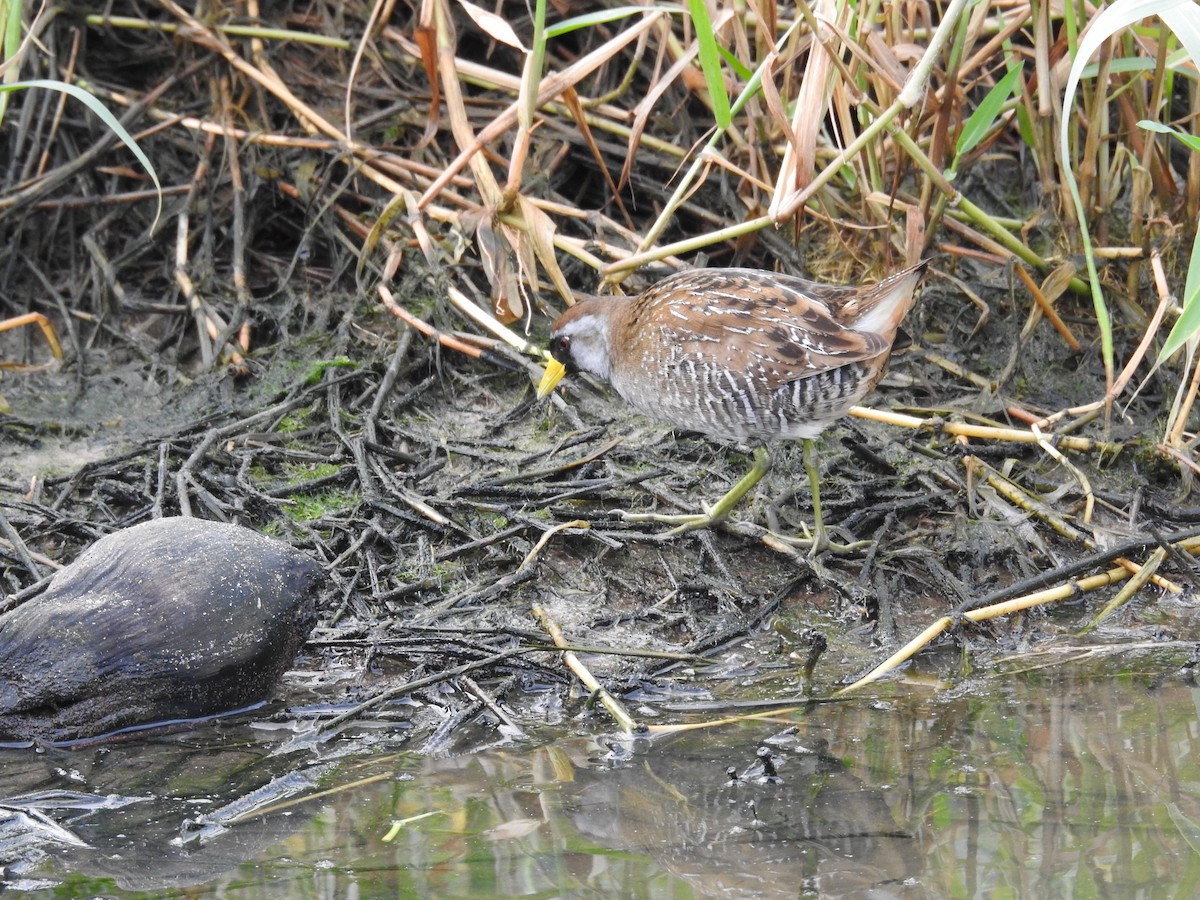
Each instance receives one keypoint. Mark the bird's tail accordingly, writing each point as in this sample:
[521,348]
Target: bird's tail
[882,309]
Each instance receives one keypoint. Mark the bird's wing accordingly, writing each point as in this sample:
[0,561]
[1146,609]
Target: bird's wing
[747,320]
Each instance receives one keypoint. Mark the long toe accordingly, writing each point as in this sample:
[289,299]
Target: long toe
[681,523]
[817,542]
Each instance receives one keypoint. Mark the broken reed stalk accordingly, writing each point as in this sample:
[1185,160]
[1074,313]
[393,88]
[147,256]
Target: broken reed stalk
[627,723]
[943,624]
[1034,507]
[1144,574]
[1069,588]
[1050,444]
[48,333]
[985,432]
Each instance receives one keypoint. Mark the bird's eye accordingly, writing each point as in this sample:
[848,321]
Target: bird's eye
[560,348]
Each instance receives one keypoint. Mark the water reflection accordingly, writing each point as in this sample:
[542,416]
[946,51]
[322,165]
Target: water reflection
[1072,780]
[131,812]
[793,818]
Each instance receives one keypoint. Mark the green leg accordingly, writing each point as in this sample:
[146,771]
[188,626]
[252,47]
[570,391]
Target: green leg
[818,541]
[720,509]
[820,538]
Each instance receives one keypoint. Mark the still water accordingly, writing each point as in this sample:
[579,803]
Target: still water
[1074,774]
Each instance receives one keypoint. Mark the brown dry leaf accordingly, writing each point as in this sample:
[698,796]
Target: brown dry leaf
[552,85]
[571,98]
[395,206]
[507,302]
[540,229]
[799,157]
[1058,281]
[426,41]
[886,67]
[494,254]
[492,25]
[456,107]
[775,106]
[914,235]
[513,298]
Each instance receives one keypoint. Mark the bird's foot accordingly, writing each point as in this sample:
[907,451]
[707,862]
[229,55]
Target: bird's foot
[817,542]
[711,514]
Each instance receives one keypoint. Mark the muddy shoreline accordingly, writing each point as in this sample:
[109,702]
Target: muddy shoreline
[447,508]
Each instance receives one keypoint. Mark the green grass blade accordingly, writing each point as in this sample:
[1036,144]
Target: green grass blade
[110,121]
[710,63]
[10,43]
[1159,128]
[1106,23]
[1189,321]
[981,120]
[587,20]
[1183,18]
[743,71]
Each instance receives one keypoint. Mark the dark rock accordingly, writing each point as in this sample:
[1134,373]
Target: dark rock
[174,618]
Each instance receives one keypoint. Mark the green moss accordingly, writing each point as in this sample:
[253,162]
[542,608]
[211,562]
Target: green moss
[296,421]
[309,507]
[317,369]
[444,571]
[298,473]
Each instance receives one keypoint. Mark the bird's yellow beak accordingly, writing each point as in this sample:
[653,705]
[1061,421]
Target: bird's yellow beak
[553,375]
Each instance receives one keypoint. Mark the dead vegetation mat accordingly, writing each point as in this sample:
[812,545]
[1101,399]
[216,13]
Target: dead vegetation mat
[234,365]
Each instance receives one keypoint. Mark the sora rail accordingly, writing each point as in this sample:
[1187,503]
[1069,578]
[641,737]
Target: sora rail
[741,355]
